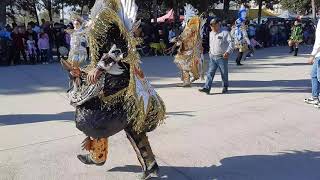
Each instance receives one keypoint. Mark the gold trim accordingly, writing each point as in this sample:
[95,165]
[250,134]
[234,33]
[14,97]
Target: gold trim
[142,121]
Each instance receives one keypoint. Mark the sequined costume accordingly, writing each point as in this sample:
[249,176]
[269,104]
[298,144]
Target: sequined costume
[190,54]
[122,99]
[296,38]
[240,35]
[78,46]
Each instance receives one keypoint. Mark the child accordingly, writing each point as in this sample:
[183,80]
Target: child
[32,50]
[43,44]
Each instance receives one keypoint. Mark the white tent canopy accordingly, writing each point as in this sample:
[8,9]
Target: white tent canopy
[288,15]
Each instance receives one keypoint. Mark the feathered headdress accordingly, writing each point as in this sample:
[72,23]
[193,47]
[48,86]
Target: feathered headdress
[189,12]
[242,15]
[127,10]
[128,13]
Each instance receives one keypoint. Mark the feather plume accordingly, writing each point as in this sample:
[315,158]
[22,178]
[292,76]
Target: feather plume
[128,13]
[189,12]
[97,8]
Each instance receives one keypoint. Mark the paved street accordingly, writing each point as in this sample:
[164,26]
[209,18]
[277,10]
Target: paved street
[261,130]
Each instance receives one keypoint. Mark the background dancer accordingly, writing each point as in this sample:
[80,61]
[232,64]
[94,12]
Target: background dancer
[190,53]
[296,37]
[240,35]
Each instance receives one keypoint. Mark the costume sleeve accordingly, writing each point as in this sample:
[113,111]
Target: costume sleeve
[316,47]
[230,42]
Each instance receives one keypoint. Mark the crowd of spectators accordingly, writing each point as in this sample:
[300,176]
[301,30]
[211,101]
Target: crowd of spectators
[40,43]
[157,38]
[277,33]
[32,44]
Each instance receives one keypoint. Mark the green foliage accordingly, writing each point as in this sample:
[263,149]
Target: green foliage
[298,6]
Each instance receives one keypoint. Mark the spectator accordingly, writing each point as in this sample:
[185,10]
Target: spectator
[34,34]
[274,32]
[264,35]
[224,26]
[43,44]
[36,28]
[32,50]
[18,38]
[5,46]
[172,34]
[282,35]
[148,32]
[59,38]
[251,31]
[165,31]
[156,34]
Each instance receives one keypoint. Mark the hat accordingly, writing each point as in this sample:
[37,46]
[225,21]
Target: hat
[214,21]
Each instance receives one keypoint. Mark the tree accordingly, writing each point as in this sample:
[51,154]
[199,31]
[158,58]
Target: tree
[3,12]
[299,6]
[29,6]
[314,16]
[260,11]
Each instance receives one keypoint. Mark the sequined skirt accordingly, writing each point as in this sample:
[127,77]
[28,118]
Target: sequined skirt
[97,119]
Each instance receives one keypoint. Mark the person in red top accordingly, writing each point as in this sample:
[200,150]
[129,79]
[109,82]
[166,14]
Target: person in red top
[18,39]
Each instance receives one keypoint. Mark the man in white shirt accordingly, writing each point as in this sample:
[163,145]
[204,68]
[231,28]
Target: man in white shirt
[315,73]
[221,46]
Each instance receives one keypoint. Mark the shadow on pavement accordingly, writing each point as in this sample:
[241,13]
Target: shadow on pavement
[14,119]
[293,165]
[34,118]
[274,86]
[285,64]
[181,113]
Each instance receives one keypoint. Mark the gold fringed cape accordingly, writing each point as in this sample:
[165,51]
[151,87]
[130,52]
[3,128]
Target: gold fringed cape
[145,114]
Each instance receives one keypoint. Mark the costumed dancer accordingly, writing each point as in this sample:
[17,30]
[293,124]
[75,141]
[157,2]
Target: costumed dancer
[78,54]
[111,94]
[240,35]
[190,53]
[296,37]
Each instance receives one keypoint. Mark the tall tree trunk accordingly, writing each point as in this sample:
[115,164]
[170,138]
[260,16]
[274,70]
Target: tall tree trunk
[226,6]
[155,10]
[260,11]
[176,10]
[204,5]
[49,9]
[81,6]
[35,11]
[314,15]
[3,13]
[62,10]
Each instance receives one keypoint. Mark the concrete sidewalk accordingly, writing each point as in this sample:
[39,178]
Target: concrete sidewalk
[261,130]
